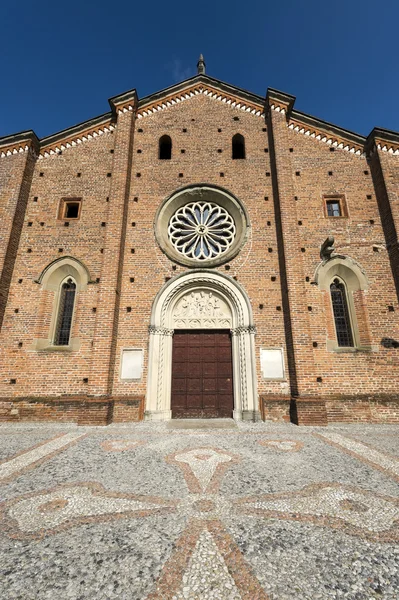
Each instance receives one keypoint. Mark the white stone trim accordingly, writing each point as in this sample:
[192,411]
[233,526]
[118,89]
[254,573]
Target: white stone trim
[158,399]
[20,150]
[321,137]
[389,149]
[278,108]
[182,96]
[71,143]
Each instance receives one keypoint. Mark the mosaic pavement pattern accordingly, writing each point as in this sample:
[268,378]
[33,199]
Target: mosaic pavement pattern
[145,511]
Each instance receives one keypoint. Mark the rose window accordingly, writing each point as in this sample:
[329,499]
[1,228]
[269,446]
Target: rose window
[201,230]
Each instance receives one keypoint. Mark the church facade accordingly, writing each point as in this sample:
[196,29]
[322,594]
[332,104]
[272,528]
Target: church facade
[201,252]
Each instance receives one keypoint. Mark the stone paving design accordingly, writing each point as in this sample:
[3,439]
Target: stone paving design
[283,445]
[219,543]
[119,445]
[388,464]
[207,565]
[203,468]
[359,512]
[28,459]
[36,515]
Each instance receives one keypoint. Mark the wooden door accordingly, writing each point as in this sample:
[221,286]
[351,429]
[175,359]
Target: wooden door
[202,374]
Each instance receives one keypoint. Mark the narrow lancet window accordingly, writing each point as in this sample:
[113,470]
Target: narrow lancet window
[65,313]
[341,314]
[165,147]
[238,146]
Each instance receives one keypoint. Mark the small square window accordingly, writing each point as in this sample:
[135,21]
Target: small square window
[70,208]
[335,206]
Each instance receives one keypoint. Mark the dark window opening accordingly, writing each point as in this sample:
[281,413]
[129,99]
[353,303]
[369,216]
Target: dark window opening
[333,208]
[65,313]
[341,314]
[71,210]
[238,146]
[165,148]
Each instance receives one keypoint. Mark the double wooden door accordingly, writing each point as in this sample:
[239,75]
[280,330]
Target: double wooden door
[202,374]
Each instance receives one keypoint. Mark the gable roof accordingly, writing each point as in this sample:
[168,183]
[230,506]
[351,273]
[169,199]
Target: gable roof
[211,87]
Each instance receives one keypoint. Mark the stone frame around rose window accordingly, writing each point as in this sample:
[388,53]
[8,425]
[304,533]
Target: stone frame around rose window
[201,193]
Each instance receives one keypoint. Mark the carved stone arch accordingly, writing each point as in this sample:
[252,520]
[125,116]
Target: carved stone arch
[217,302]
[356,283]
[345,268]
[51,280]
[61,268]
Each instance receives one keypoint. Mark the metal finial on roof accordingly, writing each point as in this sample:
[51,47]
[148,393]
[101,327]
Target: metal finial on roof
[201,65]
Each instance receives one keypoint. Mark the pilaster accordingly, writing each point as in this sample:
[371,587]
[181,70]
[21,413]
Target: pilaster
[301,366]
[104,341]
[18,154]
[383,152]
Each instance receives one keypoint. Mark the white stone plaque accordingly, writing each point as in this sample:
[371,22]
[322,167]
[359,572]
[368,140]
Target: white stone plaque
[132,364]
[272,363]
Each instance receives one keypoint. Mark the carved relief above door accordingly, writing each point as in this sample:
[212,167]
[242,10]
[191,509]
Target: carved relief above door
[202,310]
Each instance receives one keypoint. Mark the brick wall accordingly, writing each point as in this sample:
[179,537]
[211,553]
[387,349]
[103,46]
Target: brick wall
[122,183]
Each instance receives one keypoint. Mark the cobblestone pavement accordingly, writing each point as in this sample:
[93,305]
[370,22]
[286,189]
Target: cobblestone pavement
[148,511]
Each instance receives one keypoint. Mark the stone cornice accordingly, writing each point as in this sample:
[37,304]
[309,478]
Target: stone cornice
[25,141]
[326,132]
[313,127]
[124,102]
[73,136]
[384,140]
[201,84]
[279,101]
[237,98]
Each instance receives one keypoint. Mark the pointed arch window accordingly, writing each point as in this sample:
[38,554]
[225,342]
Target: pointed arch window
[238,146]
[341,314]
[165,147]
[65,313]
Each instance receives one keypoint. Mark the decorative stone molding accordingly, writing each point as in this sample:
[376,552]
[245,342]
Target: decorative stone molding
[241,329]
[71,142]
[16,150]
[125,109]
[354,278]
[218,95]
[160,330]
[188,301]
[278,108]
[344,267]
[196,195]
[67,266]
[201,310]
[321,136]
[390,149]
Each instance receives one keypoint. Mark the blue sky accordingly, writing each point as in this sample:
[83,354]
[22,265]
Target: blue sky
[61,61]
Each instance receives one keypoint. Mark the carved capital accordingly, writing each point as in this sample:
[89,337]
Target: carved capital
[153,330]
[242,329]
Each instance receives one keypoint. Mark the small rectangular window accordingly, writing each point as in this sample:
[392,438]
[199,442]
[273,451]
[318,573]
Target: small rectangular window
[70,209]
[335,206]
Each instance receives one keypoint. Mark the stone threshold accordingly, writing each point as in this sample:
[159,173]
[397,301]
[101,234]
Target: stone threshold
[201,424]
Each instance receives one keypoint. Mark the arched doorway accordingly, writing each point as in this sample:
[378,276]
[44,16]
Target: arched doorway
[202,302]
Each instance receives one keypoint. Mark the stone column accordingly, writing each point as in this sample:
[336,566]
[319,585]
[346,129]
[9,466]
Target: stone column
[244,368]
[159,369]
